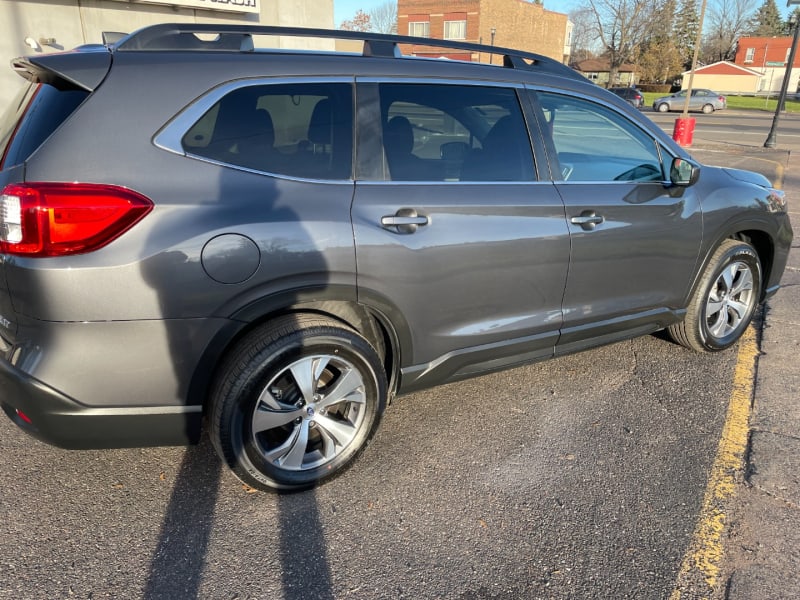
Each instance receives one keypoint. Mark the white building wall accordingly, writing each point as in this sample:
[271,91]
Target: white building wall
[72,23]
[772,80]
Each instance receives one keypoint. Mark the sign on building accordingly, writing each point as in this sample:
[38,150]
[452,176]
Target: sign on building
[241,6]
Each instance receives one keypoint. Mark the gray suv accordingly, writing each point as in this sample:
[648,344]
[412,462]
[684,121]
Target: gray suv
[275,244]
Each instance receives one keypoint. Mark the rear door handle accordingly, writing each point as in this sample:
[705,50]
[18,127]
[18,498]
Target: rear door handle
[405,220]
[588,220]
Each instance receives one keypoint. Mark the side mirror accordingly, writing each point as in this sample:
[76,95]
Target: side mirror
[683,172]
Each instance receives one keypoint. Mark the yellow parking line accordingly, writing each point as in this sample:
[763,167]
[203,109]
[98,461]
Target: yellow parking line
[700,569]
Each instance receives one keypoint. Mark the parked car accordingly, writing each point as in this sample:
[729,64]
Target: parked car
[277,243]
[630,94]
[702,100]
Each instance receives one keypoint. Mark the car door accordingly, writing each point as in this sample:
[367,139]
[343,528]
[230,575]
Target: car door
[458,243]
[635,239]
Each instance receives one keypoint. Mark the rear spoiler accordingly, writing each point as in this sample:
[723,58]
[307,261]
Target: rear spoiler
[83,68]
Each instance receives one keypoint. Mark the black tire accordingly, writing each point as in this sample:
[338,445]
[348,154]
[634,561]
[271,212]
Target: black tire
[663,107]
[724,301]
[295,402]
[708,109]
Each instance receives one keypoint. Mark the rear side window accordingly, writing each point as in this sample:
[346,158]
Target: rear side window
[298,129]
[35,113]
[435,132]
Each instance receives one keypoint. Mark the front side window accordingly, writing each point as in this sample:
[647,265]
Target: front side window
[295,129]
[443,132]
[594,143]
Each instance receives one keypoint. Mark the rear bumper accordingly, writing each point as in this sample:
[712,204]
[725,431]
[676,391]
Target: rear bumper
[57,419]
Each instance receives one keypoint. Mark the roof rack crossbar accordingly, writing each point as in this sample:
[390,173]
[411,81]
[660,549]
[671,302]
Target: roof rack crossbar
[181,36]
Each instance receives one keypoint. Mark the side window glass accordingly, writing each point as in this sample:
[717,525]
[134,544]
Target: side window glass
[594,143]
[454,133]
[301,130]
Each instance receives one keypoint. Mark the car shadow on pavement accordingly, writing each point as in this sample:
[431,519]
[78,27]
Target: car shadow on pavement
[178,562]
[305,570]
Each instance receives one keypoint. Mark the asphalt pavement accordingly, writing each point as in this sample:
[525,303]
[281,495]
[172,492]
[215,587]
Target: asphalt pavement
[761,538]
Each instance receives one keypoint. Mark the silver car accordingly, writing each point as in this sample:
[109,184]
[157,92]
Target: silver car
[706,101]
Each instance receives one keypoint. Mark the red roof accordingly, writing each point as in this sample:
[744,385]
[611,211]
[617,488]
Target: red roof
[725,68]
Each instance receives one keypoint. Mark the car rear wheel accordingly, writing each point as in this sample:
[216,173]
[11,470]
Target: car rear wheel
[296,401]
[663,107]
[708,108]
[723,304]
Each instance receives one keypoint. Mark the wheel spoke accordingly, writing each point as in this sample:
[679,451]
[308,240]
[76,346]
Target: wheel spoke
[337,432]
[713,307]
[265,419]
[717,329]
[727,276]
[306,375]
[349,388]
[743,283]
[291,453]
[739,308]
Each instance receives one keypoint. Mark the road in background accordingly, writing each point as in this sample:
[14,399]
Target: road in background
[736,127]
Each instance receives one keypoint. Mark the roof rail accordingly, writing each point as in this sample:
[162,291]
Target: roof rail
[239,38]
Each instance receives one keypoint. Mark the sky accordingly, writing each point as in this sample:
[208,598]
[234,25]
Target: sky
[345,9]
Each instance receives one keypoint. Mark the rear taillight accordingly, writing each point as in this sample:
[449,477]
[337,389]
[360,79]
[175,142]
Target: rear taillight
[59,219]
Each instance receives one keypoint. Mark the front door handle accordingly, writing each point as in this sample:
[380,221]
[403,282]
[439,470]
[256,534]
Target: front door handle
[588,220]
[405,220]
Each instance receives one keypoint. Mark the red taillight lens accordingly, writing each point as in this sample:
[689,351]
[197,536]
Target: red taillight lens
[58,219]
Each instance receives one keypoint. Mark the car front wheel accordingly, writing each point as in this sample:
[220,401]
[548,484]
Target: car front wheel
[723,304]
[296,401]
[663,107]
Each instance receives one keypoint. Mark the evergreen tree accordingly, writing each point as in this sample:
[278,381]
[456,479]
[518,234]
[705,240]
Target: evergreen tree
[788,26]
[767,21]
[687,24]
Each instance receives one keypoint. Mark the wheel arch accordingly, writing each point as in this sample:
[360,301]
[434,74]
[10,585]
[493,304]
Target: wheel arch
[761,241]
[370,322]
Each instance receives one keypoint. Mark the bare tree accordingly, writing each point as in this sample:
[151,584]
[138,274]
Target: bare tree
[383,18]
[584,40]
[726,21]
[622,26]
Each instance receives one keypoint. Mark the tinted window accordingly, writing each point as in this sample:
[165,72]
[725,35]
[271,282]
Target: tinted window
[454,133]
[34,114]
[593,143]
[301,130]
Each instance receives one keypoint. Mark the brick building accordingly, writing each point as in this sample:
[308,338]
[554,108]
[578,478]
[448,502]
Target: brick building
[519,24]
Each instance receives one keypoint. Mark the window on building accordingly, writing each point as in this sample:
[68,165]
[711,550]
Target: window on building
[455,30]
[419,28]
[749,55]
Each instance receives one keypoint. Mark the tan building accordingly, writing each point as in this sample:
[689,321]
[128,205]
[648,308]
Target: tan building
[518,24]
[725,77]
[598,70]
[42,26]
